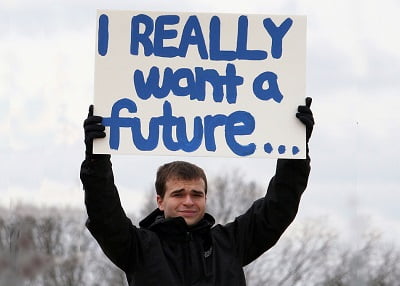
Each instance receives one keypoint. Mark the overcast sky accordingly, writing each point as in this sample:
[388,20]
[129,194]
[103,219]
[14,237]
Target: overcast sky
[353,66]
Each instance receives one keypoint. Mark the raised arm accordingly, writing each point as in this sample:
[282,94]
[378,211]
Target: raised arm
[107,221]
[262,225]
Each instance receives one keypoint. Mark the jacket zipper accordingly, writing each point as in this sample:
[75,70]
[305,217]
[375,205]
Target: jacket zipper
[188,268]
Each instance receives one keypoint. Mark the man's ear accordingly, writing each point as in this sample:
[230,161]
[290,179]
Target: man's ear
[160,202]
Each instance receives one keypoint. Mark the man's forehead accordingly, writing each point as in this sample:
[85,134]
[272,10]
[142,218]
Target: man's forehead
[176,181]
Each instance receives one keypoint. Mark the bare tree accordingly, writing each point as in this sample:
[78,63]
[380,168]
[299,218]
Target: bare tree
[296,259]
[230,195]
[20,263]
[106,273]
[370,262]
[150,204]
[53,247]
[40,247]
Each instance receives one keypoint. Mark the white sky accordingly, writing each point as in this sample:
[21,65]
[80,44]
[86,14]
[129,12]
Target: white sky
[353,67]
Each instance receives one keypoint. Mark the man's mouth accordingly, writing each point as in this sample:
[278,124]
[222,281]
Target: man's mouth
[188,213]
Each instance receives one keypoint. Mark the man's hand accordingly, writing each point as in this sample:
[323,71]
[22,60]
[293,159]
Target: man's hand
[93,129]
[305,115]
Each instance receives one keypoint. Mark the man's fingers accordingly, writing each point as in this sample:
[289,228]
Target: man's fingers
[304,112]
[304,109]
[94,127]
[92,120]
[305,115]
[90,113]
[308,101]
[95,134]
[305,118]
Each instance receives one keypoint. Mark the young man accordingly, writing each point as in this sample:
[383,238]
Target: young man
[177,243]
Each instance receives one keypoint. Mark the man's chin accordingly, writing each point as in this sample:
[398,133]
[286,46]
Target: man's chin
[190,221]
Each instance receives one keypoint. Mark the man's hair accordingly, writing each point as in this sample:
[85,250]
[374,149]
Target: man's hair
[178,170]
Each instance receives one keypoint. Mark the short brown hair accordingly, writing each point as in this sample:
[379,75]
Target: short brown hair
[179,170]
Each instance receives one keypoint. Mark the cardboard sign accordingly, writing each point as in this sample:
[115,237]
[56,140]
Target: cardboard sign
[197,84]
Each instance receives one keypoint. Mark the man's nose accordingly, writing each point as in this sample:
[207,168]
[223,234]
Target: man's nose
[188,200]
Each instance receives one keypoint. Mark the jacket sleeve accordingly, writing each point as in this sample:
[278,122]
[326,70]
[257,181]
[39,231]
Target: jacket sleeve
[107,221]
[262,225]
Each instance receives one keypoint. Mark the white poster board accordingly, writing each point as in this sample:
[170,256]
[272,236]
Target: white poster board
[197,84]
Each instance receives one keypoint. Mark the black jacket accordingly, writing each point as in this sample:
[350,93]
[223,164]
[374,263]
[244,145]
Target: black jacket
[168,252]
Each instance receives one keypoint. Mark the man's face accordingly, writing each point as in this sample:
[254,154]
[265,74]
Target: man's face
[184,198]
